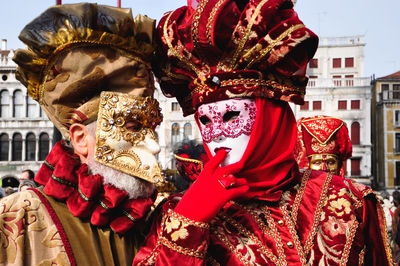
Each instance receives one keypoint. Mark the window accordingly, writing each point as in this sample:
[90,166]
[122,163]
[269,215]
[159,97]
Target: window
[312,81]
[355,133]
[397,177]
[4,147]
[175,133]
[18,101]
[355,104]
[356,166]
[187,131]
[342,105]
[317,105]
[305,106]
[30,147]
[385,91]
[397,118]
[314,63]
[337,80]
[337,62]
[44,145]
[396,91]
[397,143]
[349,62]
[349,80]
[16,147]
[4,103]
[174,106]
[31,108]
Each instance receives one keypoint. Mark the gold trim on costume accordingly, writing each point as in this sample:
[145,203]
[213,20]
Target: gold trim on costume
[313,135]
[300,194]
[349,242]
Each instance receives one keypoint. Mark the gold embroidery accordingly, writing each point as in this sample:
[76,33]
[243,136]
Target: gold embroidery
[349,241]
[300,194]
[242,230]
[273,43]
[323,198]
[174,51]
[246,36]
[195,22]
[323,125]
[187,221]
[361,257]
[264,227]
[294,235]
[182,250]
[211,20]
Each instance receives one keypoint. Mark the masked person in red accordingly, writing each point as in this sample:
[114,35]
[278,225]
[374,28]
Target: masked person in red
[236,65]
[323,144]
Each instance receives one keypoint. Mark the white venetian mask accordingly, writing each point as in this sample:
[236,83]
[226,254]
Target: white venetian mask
[227,125]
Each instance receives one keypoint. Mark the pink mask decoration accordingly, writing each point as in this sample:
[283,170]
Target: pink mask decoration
[227,124]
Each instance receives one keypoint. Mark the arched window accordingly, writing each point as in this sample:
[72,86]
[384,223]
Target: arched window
[4,103]
[31,108]
[44,145]
[355,133]
[16,147]
[30,147]
[187,131]
[18,101]
[175,133]
[4,147]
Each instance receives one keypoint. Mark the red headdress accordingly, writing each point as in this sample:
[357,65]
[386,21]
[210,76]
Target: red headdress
[322,135]
[213,50]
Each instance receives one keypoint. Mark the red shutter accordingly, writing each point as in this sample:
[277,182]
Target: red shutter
[355,104]
[355,133]
[337,62]
[349,62]
[314,63]
[305,106]
[356,167]
[342,105]
[317,105]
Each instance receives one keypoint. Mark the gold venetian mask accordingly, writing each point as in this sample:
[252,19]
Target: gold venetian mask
[125,138]
[324,162]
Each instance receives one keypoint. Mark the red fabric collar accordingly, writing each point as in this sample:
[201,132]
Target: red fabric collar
[65,178]
[268,162]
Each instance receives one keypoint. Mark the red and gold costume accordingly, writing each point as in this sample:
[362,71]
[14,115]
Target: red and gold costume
[81,57]
[324,136]
[214,50]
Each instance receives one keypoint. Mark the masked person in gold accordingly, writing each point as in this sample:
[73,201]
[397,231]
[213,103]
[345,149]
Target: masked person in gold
[87,65]
[322,144]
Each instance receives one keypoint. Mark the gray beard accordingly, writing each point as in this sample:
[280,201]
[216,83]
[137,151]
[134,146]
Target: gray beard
[135,187]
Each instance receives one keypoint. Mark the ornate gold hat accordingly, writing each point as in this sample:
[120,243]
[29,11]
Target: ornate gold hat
[77,51]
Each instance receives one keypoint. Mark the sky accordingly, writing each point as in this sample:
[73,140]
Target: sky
[378,21]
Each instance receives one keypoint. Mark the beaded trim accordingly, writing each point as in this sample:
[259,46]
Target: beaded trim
[264,227]
[309,242]
[211,19]
[188,221]
[300,194]
[295,237]
[361,256]
[196,22]
[182,250]
[349,242]
[265,250]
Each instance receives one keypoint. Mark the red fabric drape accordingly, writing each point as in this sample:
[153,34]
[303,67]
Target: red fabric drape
[268,159]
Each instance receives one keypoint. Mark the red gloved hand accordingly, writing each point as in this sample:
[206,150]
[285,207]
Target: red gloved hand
[214,187]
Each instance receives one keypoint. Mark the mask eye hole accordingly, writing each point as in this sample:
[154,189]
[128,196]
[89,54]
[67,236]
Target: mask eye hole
[133,125]
[205,120]
[231,116]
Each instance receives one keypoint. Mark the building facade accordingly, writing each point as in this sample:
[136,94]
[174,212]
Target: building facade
[386,130]
[25,131]
[338,88]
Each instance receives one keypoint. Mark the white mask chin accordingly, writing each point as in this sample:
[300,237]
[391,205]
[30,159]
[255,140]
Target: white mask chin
[227,125]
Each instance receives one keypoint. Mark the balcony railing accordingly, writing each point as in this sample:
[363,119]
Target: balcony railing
[338,82]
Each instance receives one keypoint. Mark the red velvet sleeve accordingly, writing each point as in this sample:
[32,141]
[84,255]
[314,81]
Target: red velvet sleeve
[174,240]
[377,249]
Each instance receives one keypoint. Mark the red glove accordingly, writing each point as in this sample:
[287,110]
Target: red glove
[214,187]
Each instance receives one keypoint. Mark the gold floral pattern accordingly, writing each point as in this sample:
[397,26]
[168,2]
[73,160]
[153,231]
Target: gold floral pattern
[26,228]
